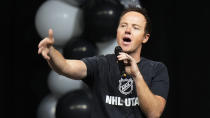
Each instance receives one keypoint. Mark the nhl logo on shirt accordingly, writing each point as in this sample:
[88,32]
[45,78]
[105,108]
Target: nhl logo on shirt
[126,86]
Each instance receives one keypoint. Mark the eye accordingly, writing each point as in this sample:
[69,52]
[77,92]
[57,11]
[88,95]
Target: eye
[136,27]
[123,25]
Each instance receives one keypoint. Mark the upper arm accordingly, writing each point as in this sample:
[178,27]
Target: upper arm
[160,82]
[75,69]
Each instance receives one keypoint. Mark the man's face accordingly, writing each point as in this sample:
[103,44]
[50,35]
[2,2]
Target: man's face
[131,32]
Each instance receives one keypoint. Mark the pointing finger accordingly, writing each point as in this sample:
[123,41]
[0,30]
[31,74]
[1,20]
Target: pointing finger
[50,34]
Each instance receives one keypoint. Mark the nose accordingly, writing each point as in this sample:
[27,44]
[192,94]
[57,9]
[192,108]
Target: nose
[128,30]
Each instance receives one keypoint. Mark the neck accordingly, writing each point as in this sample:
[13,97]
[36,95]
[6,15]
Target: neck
[136,55]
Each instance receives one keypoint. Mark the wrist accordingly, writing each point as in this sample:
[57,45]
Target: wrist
[137,75]
[51,49]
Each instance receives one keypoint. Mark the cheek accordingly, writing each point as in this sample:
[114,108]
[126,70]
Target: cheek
[139,35]
[118,37]
[119,33]
[138,39]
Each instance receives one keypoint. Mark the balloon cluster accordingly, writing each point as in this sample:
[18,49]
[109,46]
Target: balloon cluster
[82,28]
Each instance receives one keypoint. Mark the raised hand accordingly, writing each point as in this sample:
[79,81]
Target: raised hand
[46,44]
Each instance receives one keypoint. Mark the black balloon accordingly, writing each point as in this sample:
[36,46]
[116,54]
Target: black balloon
[128,3]
[77,3]
[101,20]
[79,48]
[75,104]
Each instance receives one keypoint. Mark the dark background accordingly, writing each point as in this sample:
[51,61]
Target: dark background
[179,38]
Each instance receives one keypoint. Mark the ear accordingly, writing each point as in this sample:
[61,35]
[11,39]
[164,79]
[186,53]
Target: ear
[146,38]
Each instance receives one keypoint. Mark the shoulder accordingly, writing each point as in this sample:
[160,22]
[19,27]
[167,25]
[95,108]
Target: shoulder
[155,65]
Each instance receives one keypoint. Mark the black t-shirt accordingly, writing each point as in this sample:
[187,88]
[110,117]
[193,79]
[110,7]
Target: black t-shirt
[116,97]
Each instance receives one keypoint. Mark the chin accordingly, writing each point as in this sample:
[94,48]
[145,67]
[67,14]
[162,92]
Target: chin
[127,50]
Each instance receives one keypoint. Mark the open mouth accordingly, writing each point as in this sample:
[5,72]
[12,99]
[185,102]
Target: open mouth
[126,39]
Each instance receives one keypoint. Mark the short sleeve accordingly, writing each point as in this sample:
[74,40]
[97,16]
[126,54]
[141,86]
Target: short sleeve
[160,82]
[91,64]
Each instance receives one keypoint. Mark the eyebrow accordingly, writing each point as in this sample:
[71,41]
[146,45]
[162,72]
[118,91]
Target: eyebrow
[132,24]
[123,23]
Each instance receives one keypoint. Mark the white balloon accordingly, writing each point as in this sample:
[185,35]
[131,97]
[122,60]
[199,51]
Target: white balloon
[47,107]
[65,20]
[106,47]
[60,85]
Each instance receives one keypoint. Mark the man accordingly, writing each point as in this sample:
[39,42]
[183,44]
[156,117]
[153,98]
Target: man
[142,93]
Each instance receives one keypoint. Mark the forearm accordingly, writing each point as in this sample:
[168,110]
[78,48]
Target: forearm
[150,104]
[74,69]
[56,61]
